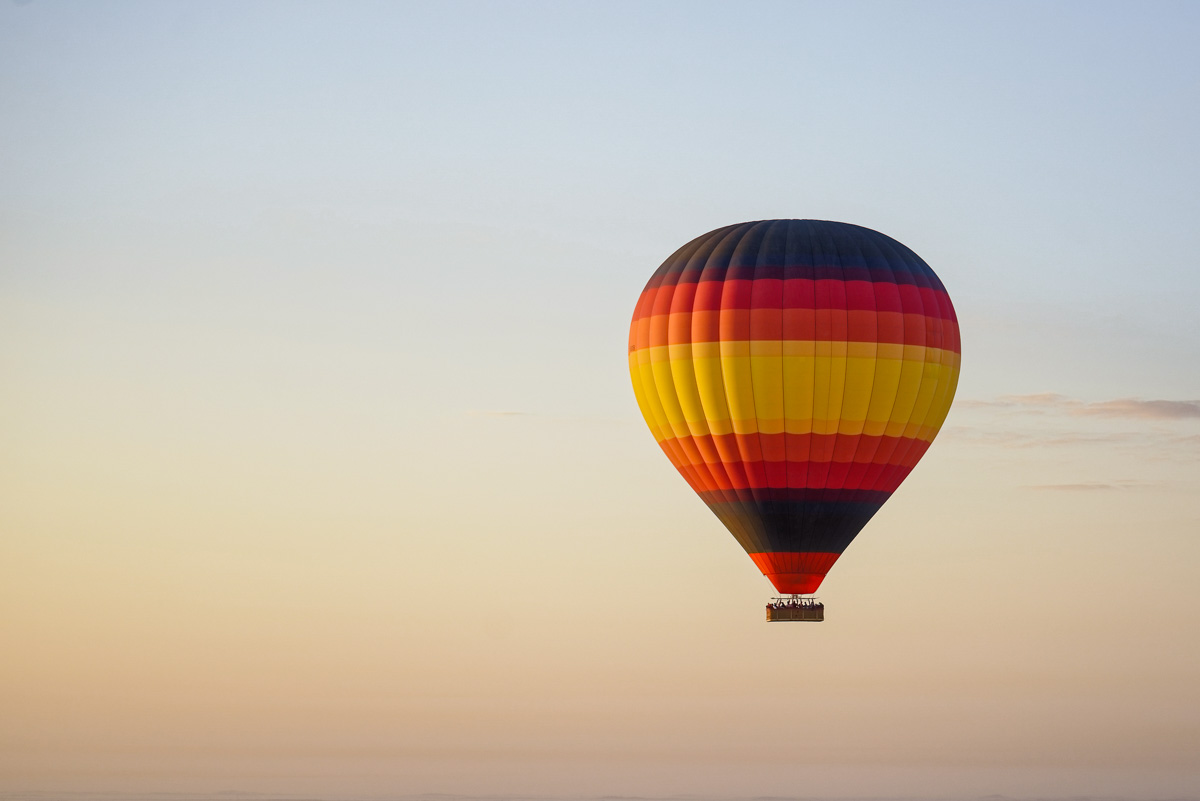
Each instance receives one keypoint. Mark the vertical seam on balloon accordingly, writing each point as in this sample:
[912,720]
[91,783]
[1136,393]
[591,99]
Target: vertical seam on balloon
[746,525]
[735,234]
[702,468]
[809,509]
[914,442]
[952,318]
[673,439]
[789,228]
[825,499]
[903,448]
[692,364]
[781,258]
[889,255]
[759,501]
[941,382]
[722,495]
[946,384]
[874,377]
[837,255]
[886,257]
[816,494]
[669,444]
[755,492]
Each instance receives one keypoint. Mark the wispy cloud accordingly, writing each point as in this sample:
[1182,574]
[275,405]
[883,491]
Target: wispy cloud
[1129,408]
[1084,487]
[1038,402]
[1148,429]
[1144,409]
[1012,438]
[1091,486]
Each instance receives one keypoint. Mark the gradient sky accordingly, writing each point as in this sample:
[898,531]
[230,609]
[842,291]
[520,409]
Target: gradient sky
[320,471]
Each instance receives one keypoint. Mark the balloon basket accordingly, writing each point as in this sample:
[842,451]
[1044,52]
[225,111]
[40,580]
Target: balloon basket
[795,608]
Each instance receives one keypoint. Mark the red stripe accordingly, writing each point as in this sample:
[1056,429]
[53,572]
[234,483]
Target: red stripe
[795,573]
[801,293]
[732,462]
[828,325]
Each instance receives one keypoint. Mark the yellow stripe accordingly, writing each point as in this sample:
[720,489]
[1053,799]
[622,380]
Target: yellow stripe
[664,384]
[646,396]
[766,372]
[684,375]
[883,395]
[798,386]
[930,378]
[860,387]
[798,377]
[739,393]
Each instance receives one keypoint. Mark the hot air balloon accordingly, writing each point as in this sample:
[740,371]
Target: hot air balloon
[794,372]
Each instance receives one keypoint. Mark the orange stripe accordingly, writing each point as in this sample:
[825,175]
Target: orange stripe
[831,461]
[806,448]
[795,573]
[681,328]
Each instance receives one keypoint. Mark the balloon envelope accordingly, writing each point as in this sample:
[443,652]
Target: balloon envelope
[794,371]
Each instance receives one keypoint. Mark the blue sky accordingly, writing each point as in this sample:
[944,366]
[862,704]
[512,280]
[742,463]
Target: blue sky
[1042,155]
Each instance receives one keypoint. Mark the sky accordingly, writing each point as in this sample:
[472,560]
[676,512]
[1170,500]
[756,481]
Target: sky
[321,472]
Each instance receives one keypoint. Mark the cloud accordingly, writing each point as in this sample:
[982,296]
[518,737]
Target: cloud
[1086,487]
[1092,486]
[1146,428]
[1128,408]
[1144,409]
[1037,401]
[1011,438]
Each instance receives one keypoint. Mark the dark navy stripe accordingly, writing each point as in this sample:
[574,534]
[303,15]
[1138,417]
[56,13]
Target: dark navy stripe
[792,526]
[794,249]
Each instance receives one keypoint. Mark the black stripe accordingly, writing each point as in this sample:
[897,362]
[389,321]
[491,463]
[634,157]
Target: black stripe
[791,526]
[815,249]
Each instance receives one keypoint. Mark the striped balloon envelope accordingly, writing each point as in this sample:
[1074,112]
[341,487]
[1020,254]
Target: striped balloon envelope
[794,371]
